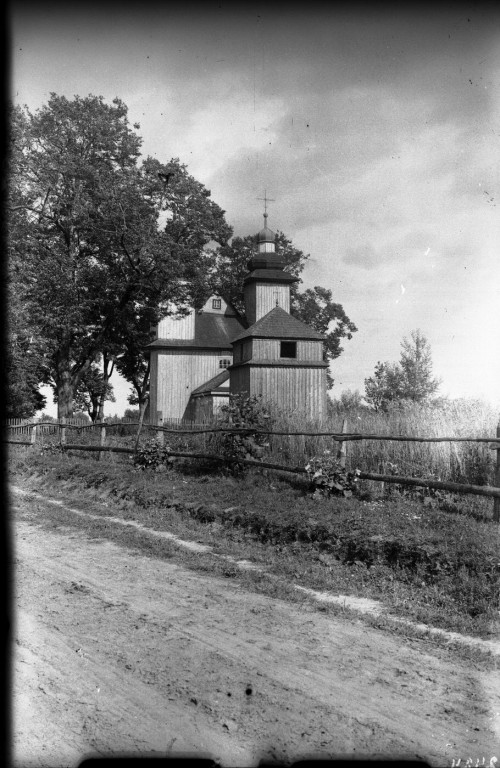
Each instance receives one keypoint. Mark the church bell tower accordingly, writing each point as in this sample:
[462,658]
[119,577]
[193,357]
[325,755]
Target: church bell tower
[278,357]
[267,285]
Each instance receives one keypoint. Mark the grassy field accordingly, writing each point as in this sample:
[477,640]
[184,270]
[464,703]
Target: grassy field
[426,558]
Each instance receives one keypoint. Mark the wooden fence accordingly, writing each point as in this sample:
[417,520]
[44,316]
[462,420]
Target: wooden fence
[24,427]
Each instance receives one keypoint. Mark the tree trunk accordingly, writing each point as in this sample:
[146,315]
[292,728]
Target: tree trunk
[68,378]
[65,395]
[142,408]
[107,370]
[100,410]
[94,409]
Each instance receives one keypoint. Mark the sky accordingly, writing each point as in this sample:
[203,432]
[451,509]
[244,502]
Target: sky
[374,129]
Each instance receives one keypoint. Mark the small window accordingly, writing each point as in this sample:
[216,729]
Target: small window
[216,303]
[288,349]
[225,362]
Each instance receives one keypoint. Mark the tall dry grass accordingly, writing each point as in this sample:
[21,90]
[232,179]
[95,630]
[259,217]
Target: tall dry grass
[455,462]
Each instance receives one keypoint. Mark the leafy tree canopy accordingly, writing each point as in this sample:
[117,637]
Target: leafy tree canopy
[410,379]
[105,239]
[24,351]
[93,391]
[24,363]
[348,401]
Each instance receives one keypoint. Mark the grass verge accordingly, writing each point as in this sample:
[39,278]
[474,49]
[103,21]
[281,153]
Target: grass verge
[432,566]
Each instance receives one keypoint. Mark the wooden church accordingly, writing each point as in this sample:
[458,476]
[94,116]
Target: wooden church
[199,359]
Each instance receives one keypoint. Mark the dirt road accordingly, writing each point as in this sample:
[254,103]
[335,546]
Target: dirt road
[117,653]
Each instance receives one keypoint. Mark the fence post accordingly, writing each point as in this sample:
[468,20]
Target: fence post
[496,502]
[342,452]
[62,428]
[33,435]
[142,411]
[160,436]
[102,440]
[381,470]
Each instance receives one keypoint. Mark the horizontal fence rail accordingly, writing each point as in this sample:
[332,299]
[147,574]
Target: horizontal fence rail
[32,427]
[477,490]
[339,437]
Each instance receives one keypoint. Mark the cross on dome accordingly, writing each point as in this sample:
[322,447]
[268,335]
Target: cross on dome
[266,200]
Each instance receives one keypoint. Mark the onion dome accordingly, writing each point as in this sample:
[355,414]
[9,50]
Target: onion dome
[266,235]
[266,256]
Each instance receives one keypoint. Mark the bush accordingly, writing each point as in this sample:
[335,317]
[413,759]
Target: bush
[152,455]
[329,478]
[246,413]
[53,448]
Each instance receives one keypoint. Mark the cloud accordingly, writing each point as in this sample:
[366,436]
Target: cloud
[376,134]
[362,256]
[362,156]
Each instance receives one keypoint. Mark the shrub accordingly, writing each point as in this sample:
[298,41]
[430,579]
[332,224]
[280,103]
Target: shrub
[329,478]
[152,455]
[246,413]
[52,448]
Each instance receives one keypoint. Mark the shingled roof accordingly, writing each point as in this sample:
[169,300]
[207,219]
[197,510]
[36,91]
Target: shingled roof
[211,331]
[278,324]
[269,275]
[212,384]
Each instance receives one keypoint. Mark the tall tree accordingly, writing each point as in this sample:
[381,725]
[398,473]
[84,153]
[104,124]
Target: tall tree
[313,306]
[316,308]
[385,386]
[132,363]
[94,390]
[410,379]
[24,363]
[24,345]
[104,235]
[416,365]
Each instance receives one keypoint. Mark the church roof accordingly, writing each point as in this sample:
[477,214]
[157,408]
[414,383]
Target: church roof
[266,235]
[211,384]
[279,324]
[269,275]
[211,331]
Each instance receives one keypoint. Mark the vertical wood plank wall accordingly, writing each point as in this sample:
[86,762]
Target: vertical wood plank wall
[300,389]
[179,372]
[239,380]
[269,349]
[223,309]
[261,298]
[153,385]
[295,389]
[173,327]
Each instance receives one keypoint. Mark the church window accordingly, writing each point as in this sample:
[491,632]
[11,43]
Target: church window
[288,349]
[225,362]
[216,303]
